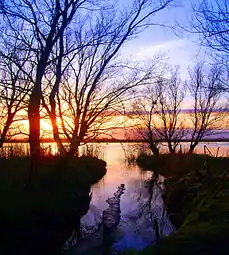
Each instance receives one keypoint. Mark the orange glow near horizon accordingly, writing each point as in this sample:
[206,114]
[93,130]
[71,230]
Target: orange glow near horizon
[116,124]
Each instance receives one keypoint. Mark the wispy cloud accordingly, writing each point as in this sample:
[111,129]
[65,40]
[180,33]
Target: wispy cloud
[178,51]
[162,47]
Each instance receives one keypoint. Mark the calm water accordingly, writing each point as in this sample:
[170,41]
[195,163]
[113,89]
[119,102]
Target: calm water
[118,171]
[135,229]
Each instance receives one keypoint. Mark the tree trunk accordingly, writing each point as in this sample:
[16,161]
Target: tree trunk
[55,128]
[34,125]
[74,148]
[154,149]
[171,149]
[57,139]
[191,148]
[34,131]
[5,129]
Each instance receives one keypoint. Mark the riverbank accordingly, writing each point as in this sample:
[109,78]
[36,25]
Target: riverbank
[197,200]
[38,220]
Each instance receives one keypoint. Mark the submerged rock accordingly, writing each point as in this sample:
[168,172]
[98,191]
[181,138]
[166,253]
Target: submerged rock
[111,216]
[96,226]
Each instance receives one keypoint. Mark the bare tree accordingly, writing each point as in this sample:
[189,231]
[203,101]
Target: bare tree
[170,126]
[106,101]
[144,117]
[205,88]
[38,27]
[158,113]
[88,88]
[211,21]
[14,88]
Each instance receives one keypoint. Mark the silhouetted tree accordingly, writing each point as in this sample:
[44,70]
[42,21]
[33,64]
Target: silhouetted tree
[37,26]
[89,87]
[105,102]
[158,113]
[205,87]
[14,89]
[170,126]
[144,117]
[211,21]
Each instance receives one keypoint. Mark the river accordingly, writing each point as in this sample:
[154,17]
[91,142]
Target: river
[136,229]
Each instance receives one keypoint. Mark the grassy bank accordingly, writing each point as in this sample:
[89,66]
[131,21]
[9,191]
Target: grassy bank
[38,220]
[197,200]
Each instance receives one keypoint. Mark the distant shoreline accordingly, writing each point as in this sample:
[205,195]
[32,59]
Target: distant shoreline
[114,140]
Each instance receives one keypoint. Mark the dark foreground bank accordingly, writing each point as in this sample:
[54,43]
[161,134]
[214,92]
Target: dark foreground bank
[38,220]
[197,200]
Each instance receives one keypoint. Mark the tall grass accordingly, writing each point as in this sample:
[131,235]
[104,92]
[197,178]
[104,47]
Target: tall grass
[10,150]
[92,150]
[14,150]
[136,150]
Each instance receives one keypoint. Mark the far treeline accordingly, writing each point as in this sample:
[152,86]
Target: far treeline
[61,60]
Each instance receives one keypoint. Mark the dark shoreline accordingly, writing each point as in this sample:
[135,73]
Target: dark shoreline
[40,219]
[196,198]
[116,141]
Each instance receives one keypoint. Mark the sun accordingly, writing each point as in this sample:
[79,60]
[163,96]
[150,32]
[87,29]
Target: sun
[46,128]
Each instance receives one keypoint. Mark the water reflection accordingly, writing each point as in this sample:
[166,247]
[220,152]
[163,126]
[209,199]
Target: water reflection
[135,229]
[117,173]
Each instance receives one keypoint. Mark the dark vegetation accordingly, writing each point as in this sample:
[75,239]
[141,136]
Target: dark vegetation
[197,192]
[38,219]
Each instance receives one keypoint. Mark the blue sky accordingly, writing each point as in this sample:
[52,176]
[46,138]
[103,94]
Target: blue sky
[178,47]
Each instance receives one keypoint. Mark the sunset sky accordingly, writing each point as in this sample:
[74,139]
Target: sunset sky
[176,47]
